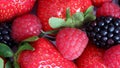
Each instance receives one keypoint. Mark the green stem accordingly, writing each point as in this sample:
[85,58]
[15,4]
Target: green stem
[43,33]
[68,13]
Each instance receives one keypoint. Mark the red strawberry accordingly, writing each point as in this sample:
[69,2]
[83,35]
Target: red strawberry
[99,3]
[52,8]
[92,57]
[108,9]
[45,55]
[112,57]
[11,8]
[71,42]
[25,26]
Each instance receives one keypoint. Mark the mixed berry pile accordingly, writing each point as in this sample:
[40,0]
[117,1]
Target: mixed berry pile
[59,33]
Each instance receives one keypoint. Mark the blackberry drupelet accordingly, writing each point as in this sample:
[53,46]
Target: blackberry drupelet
[5,31]
[104,31]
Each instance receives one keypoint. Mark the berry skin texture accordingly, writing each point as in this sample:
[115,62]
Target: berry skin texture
[104,31]
[58,9]
[98,3]
[12,8]
[92,57]
[71,42]
[110,9]
[25,26]
[45,55]
[112,57]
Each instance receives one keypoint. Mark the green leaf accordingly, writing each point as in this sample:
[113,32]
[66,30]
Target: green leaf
[68,13]
[89,10]
[78,18]
[16,65]
[31,39]
[24,46]
[1,63]
[89,17]
[69,23]
[56,22]
[5,51]
[8,64]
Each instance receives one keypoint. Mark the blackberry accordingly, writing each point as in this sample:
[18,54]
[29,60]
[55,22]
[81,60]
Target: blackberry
[5,31]
[104,31]
[119,2]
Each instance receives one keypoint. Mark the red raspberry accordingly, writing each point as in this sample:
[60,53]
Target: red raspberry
[25,26]
[71,42]
[99,3]
[112,57]
[109,9]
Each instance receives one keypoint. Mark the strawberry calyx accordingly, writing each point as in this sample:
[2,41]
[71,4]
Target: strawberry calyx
[76,20]
[5,52]
[1,63]
[24,45]
[4,63]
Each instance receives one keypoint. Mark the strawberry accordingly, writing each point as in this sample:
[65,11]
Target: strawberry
[71,42]
[92,57]
[25,26]
[108,9]
[99,3]
[112,57]
[44,55]
[51,8]
[12,8]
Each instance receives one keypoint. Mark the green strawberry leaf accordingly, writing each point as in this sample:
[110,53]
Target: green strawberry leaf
[8,64]
[89,17]
[89,10]
[31,39]
[24,46]
[56,22]
[16,65]
[78,19]
[1,63]
[68,13]
[5,51]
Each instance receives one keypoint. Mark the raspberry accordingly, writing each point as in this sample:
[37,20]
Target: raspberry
[112,57]
[99,3]
[71,42]
[25,27]
[108,9]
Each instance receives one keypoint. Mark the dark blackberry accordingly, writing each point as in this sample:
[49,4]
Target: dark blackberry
[104,31]
[5,31]
[119,2]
